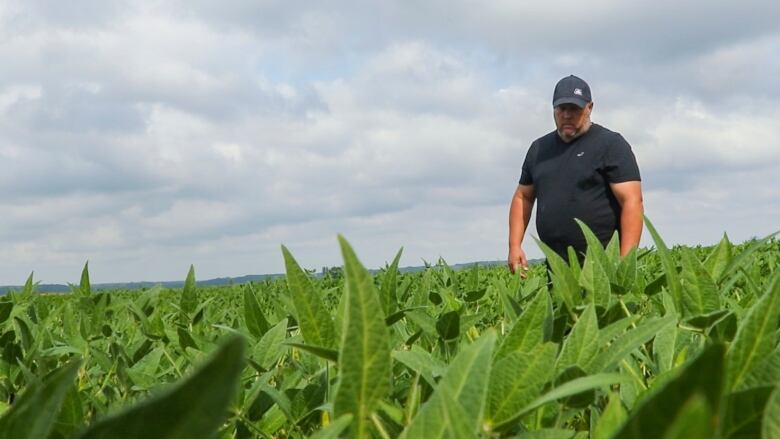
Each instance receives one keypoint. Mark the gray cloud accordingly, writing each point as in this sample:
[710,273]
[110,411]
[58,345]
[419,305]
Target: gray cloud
[145,137]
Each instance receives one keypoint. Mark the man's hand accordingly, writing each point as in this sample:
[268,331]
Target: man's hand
[517,259]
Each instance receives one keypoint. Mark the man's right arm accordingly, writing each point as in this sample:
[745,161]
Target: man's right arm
[519,217]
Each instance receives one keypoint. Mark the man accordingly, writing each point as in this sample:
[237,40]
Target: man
[581,170]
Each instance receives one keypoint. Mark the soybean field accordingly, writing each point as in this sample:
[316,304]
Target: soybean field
[662,343]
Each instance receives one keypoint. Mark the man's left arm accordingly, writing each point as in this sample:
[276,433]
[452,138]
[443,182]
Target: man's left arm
[629,195]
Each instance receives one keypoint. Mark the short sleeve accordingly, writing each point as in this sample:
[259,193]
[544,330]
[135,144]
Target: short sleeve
[526,177]
[619,162]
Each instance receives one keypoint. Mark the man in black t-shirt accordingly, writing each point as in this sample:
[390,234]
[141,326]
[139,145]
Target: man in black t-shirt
[581,170]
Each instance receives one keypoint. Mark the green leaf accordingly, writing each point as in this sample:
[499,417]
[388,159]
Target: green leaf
[547,433]
[465,383]
[755,337]
[719,258]
[611,419]
[387,292]
[770,427]
[744,411]
[325,353]
[655,416]
[516,379]
[565,285]
[595,279]
[5,311]
[189,298]
[192,408]
[254,318]
[699,293]
[33,414]
[334,430]
[364,354]
[448,326]
[665,347]
[626,272]
[766,372]
[84,286]
[669,266]
[422,362]
[271,346]
[313,318]
[597,251]
[569,388]
[628,342]
[581,346]
[532,328]
[693,421]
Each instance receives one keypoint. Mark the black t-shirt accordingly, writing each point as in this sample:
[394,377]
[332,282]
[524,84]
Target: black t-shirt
[571,180]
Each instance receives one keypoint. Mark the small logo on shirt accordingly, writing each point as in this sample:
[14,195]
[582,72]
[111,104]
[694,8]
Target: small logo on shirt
[580,154]
[578,92]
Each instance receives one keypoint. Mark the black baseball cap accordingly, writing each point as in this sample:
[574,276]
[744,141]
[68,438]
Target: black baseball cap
[571,90]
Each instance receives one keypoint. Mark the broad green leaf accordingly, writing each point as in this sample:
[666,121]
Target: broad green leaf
[693,421]
[626,272]
[597,251]
[628,342]
[613,249]
[192,408]
[655,416]
[547,433]
[254,318]
[325,353]
[670,267]
[565,284]
[84,286]
[33,414]
[582,344]
[595,280]
[743,414]
[699,293]
[271,346]
[314,319]
[334,430]
[742,258]
[766,372]
[719,258]
[532,328]
[611,419]
[565,390]
[387,292]
[755,337]
[189,298]
[665,347]
[71,417]
[364,354]
[5,311]
[444,418]
[516,379]
[770,427]
[422,362]
[465,382]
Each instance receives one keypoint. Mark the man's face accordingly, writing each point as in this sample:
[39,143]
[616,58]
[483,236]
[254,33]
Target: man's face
[570,120]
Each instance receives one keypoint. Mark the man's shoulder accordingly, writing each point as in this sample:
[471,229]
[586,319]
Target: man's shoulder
[606,137]
[546,139]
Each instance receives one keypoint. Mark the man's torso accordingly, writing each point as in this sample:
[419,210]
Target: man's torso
[571,180]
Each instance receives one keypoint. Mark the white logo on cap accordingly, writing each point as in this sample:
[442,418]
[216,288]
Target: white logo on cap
[578,92]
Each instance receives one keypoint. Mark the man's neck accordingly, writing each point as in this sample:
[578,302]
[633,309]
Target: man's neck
[576,135]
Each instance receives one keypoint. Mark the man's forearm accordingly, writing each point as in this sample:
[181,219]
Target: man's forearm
[631,216]
[519,217]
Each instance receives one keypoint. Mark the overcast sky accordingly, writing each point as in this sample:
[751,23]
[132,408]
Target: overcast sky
[146,136]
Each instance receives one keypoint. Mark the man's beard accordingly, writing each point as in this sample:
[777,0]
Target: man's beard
[577,133]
